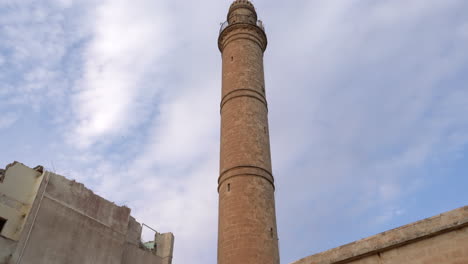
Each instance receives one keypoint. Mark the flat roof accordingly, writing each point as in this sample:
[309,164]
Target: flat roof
[429,227]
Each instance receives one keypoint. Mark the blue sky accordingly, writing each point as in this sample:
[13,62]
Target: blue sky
[368,110]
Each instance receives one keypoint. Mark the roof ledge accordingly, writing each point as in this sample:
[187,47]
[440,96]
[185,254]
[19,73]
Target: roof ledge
[394,238]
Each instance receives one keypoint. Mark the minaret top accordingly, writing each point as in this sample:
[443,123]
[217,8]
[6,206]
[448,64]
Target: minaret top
[241,4]
[242,15]
[242,8]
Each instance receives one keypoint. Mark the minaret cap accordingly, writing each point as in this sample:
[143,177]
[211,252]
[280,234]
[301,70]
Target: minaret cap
[241,4]
[242,14]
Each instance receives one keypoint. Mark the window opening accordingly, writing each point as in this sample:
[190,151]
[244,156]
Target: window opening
[2,223]
[229,187]
[271,232]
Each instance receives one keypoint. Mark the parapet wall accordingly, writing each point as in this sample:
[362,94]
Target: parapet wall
[70,224]
[439,239]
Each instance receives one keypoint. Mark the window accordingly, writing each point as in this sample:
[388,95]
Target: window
[229,187]
[2,175]
[2,224]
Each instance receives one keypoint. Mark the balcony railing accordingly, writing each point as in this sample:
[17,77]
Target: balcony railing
[224,25]
[238,19]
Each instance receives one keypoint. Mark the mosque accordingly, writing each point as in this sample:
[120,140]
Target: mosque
[48,219]
[247,231]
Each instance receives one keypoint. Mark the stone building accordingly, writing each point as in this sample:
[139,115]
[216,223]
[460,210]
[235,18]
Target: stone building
[48,219]
[247,224]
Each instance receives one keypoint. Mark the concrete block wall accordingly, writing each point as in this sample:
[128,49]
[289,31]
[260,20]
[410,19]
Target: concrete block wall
[70,224]
[133,232]
[164,244]
[436,240]
[73,225]
[133,254]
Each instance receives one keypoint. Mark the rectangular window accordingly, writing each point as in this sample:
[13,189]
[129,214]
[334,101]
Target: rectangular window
[2,224]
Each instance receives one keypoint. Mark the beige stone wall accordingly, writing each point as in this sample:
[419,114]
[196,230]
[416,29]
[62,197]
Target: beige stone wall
[447,248]
[441,239]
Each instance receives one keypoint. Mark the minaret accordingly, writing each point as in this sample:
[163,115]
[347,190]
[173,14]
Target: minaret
[247,223]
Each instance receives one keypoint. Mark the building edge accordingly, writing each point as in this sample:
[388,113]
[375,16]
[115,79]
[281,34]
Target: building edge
[395,238]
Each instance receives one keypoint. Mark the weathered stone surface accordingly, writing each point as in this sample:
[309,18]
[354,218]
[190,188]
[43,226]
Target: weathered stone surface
[7,247]
[68,236]
[17,193]
[70,224]
[82,199]
[439,239]
[247,222]
[134,255]
[133,232]
[164,244]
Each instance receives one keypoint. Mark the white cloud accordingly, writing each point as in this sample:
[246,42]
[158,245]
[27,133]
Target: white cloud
[185,129]
[362,106]
[37,42]
[121,62]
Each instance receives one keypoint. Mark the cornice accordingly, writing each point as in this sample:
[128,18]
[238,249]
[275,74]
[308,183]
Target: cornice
[255,30]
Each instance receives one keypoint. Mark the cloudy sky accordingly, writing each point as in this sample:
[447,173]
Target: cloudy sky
[368,110]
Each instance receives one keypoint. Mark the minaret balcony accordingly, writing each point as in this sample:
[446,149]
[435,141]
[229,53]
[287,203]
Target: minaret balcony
[241,19]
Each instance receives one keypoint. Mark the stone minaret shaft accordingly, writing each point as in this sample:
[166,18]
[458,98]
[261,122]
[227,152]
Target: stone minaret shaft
[247,223]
